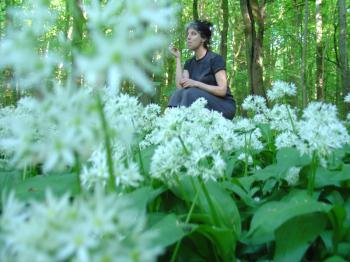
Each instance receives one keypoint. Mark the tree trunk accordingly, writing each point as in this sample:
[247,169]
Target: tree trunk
[79,26]
[304,53]
[343,52]
[319,53]
[195,9]
[225,16]
[253,17]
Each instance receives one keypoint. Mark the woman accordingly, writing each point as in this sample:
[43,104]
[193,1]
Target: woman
[204,75]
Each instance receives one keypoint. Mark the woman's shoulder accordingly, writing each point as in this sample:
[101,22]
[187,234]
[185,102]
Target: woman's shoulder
[214,55]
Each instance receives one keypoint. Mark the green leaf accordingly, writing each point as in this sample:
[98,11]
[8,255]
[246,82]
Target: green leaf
[295,236]
[223,239]
[142,196]
[273,214]
[146,156]
[326,177]
[168,231]
[36,187]
[335,259]
[223,202]
[8,179]
[291,157]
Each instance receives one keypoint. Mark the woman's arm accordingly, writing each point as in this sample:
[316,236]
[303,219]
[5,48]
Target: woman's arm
[179,73]
[219,90]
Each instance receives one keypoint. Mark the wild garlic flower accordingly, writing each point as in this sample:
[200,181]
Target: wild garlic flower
[190,141]
[247,134]
[292,176]
[56,130]
[33,21]
[256,104]
[281,89]
[126,171]
[347,98]
[282,117]
[319,130]
[123,35]
[246,158]
[92,228]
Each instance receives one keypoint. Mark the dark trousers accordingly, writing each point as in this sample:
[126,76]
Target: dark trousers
[186,96]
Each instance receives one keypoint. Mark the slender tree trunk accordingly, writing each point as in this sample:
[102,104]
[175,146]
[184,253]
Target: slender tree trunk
[304,53]
[343,52]
[195,10]
[319,53]
[225,16]
[75,11]
[253,17]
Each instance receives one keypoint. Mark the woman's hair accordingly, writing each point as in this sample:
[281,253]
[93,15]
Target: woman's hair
[204,28]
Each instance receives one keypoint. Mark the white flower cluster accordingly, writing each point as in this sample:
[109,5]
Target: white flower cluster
[22,50]
[191,141]
[52,131]
[282,116]
[292,175]
[124,112]
[66,125]
[247,134]
[319,130]
[98,228]
[126,171]
[347,98]
[134,30]
[281,89]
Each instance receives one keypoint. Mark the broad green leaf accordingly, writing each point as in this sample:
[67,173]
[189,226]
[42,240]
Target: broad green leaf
[8,179]
[291,157]
[335,259]
[146,156]
[223,239]
[36,187]
[273,214]
[295,236]
[224,205]
[168,231]
[326,177]
[142,196]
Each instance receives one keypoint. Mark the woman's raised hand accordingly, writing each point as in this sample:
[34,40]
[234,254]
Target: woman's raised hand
[173,50]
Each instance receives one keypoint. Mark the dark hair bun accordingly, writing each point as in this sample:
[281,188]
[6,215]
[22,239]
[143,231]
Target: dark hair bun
[204,27]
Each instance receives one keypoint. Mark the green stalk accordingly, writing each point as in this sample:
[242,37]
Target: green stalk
[291,121]
[176,250]
[210,203]
[312,177]
[111,183]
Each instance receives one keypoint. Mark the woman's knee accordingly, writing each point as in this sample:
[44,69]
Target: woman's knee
[190,95]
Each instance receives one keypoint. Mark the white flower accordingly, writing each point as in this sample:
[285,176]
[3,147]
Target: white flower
[246,158]
[126,171]
[347,98]
[292,176]
[134,30]
[281,89]
[190,141]
[282,117]
[256,104]
[55,130]
[90,228]
[319,130]
[34,20]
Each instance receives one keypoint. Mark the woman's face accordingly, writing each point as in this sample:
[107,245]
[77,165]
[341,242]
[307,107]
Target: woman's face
[194,39]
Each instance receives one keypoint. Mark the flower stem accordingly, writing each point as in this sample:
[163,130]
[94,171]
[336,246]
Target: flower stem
[111,182]
[312,177]
[176,250]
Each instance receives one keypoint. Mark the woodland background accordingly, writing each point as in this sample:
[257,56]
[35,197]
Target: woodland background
[299,41]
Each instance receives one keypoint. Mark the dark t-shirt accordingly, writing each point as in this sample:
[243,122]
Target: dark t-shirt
[204,69]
